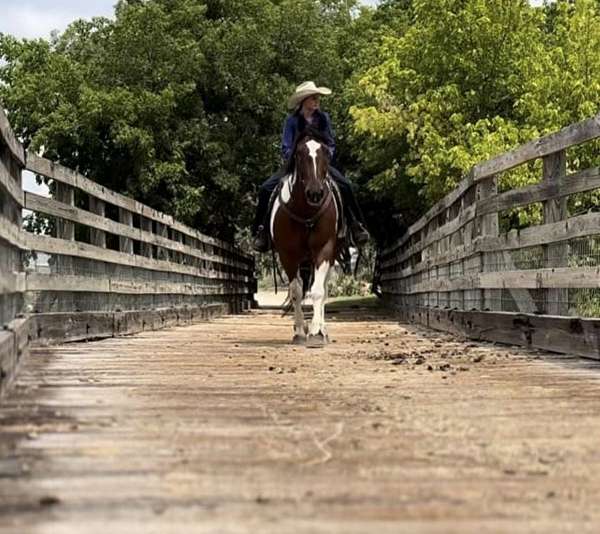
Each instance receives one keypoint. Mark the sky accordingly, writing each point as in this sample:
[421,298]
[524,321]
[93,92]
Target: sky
[37,18]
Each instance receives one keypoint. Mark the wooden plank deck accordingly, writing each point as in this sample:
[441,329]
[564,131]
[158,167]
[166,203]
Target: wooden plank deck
[225,427]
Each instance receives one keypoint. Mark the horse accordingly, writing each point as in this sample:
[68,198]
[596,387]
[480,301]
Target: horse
[303,230]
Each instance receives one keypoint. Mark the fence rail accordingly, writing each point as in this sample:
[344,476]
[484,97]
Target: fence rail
[104,265]
[455,270]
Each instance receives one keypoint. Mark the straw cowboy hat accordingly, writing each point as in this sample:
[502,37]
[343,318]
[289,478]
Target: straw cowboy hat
[304,90]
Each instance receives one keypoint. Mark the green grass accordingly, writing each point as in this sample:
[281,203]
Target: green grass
[338,303]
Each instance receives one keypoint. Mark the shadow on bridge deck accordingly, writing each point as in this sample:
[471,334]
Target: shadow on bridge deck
[226,427]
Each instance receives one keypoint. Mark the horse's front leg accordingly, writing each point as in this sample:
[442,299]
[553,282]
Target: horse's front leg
[317,336]
[296,298]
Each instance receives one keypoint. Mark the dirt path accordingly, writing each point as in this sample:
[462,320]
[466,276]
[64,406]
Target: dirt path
[224,428]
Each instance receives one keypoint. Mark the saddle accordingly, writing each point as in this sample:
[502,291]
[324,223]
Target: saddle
[344,237]
[342,229]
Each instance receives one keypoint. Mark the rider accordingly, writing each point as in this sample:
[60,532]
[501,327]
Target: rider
[304,104]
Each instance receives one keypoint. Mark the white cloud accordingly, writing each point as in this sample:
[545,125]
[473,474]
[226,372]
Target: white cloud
[38,18]
[25,21]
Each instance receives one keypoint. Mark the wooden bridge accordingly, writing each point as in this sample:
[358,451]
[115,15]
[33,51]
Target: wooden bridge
[142,392]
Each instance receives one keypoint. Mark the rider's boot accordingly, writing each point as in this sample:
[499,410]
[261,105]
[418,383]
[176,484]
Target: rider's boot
[357,227]
[360,233]
[260,242]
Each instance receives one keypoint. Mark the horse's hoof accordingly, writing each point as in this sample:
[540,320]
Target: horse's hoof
[299,340]
[316,341]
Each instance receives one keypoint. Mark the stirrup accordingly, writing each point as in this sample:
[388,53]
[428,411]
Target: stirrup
[360,233]
[260,242]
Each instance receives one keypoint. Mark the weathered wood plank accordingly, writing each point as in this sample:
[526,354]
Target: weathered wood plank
[10,139]
[467,215]
[11,282]
[583,181]
[146,228]
[552,278]
[8,360]
[65,194]
[52,207]
[53,328]
[572,135]
[126,219]
[11,233]
[14,343]
[52,245]
[580,182]
[65,327]
[555,209]
[572,228]
[97,236]
[51,282]
[434,211]
[65,175]
[11,186]
[567,335]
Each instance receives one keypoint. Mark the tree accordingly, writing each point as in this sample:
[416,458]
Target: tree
[441,96]
[178,103]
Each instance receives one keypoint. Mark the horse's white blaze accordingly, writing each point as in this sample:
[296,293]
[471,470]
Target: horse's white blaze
[313,148]
[318,293]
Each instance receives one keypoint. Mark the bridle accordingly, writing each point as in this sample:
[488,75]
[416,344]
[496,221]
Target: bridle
[309,222]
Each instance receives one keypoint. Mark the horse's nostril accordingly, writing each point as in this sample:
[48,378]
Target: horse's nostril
[316,196]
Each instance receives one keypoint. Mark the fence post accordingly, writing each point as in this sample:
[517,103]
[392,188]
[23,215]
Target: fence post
[487,226]
[125,243]
[163,231]
[555,209]
[97,237]
[146,226]
[64,229]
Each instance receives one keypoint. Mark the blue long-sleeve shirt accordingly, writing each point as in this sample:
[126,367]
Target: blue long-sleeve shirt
[295,123]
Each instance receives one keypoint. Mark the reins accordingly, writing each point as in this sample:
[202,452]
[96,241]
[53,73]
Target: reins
[310,221]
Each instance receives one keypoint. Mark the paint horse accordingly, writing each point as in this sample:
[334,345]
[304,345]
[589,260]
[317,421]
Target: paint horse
[303,228]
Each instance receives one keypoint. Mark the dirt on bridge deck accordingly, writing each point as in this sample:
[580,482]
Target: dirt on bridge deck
[225,427]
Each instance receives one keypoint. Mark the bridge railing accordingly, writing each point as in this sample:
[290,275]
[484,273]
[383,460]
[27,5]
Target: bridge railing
[97,263]
[455,269]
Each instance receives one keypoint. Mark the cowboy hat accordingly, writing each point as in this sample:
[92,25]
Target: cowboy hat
[304,90]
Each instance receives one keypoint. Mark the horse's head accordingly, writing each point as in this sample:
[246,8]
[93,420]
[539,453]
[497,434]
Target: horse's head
[312,164]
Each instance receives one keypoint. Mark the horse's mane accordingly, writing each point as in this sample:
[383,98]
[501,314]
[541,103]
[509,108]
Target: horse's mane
[309,132]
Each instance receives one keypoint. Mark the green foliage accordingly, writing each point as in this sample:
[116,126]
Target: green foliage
[180,102]
[468,80]
[443,93]
[345,285]
[176,102]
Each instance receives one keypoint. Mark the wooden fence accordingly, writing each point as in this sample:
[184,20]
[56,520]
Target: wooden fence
[455,270]
[105,264]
